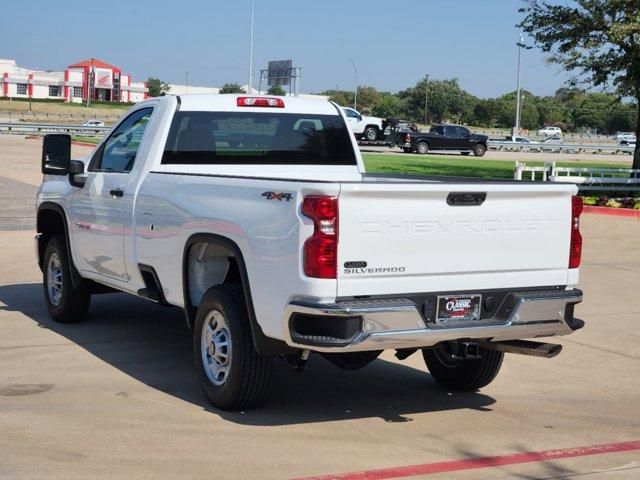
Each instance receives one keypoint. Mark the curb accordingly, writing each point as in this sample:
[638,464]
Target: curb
[614,212]
[84,144]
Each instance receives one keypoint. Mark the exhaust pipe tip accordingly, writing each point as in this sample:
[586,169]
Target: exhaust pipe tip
[525,347]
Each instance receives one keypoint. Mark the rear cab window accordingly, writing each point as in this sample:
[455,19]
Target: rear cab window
[236,138]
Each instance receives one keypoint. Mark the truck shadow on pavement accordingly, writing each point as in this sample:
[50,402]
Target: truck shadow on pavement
[152,344]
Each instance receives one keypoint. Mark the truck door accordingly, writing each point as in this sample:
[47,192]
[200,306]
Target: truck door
[437,138]
[354,120]
[99,210]
[454,140]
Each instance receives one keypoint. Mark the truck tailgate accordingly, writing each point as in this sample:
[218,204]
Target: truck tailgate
[400,238]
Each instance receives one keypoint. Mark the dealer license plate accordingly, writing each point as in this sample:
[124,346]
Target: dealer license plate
[458,308]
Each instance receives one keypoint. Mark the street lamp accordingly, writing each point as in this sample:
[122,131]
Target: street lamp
[520,45]
[249,83]
[186,84]
[355,92]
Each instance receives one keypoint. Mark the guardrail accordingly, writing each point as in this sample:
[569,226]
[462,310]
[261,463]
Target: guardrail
[52,128]
[559,148]
[601,179]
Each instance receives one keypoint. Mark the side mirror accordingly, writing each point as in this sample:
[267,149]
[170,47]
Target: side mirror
[76,173]
[56,154]
[359,117]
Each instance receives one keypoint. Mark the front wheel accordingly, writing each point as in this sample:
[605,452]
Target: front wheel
[479,150]
[370,134]
[232,374]
[66,302]
[422,148]
[459,374]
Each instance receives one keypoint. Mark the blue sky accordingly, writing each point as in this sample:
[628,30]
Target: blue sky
[393,44]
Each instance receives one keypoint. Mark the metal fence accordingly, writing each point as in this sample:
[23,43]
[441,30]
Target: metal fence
[600,179]
[559,148]
[28,128]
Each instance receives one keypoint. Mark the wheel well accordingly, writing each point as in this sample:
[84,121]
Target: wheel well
[372,126]
[209,265]
[211,260]
[49,223]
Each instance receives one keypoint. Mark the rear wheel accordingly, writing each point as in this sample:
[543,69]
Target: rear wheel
[232,374]
[406,149]
[459,374]
[422,148]
[66,303]
[370,134]
[479,150]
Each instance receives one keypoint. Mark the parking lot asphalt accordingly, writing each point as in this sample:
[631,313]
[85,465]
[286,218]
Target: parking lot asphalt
[117,396]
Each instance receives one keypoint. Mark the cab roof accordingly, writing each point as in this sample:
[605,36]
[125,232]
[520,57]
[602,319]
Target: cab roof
[229,103]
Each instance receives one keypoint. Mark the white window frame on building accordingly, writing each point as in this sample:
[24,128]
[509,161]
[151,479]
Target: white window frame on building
[21,88]
[54,90]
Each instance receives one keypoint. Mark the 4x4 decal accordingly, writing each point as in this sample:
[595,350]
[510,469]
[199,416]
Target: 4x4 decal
[277,196]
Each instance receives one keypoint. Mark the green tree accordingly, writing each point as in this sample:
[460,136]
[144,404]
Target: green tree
[276,90]
[597,40]
[341,97]
[231,88]
[388,106]
[446,101]
[157,87]
[368,97]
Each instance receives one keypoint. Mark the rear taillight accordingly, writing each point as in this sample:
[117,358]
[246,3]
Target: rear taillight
[260,102]
[575,249]
[321,248]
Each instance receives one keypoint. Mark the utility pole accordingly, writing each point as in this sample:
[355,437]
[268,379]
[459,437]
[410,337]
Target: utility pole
[355,91]
[90,81]
[426,98]
[186,85]
[249,83]
[520,45]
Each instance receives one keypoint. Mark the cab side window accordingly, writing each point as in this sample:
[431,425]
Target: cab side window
[351,113]
[119,152]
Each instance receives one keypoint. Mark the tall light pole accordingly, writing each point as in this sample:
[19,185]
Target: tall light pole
[426,97]
[520,45]
[249,83]
[186,85]
[355,91]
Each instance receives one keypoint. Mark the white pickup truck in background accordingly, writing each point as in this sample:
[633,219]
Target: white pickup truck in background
[364,127]
[256,217]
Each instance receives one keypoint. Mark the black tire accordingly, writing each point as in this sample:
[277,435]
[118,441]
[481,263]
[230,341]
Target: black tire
[406,149]
[247,376]
[462,375]
[479,150]
[65,303]
[465,153]
[422,148]
[370,134]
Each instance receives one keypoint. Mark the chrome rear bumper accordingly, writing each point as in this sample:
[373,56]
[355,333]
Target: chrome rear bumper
[398,323]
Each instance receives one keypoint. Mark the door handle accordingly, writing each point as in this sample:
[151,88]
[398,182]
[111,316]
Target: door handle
[466,199]
[116,192]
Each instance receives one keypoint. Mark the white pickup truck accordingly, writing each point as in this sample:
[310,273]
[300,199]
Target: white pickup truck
[256,217]
[364,127]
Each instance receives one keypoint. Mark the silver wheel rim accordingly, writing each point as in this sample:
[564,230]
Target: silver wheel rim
[371,134]
[54,279]
[215,346]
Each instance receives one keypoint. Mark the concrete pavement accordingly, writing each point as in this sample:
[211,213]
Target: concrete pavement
[117,397]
